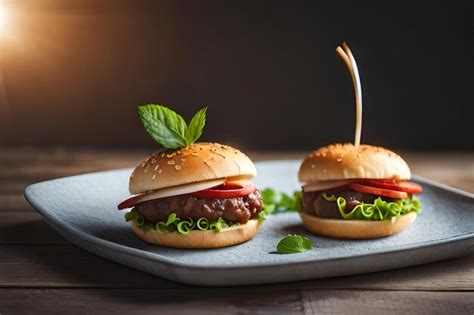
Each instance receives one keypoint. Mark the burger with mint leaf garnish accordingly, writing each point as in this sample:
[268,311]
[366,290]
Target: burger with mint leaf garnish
[191,195]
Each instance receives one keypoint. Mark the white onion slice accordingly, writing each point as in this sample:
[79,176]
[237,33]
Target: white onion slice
[324,185]
[239,182]
[181,190]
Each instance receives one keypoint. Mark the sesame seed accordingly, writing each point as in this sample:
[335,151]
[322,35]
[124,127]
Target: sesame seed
[194,153]
[163,154]
[183,159]
[154,176]
[170,155]
[339,159]
[312,166]
[177,167]
[145,170]
[171,162]
[157,167]
[160,170]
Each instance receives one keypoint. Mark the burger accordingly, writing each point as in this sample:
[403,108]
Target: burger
[357,192]
[198,196]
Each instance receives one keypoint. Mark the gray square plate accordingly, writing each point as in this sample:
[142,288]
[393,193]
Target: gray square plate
[83,210]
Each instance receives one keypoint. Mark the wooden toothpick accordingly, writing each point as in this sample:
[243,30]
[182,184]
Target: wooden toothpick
[346,55]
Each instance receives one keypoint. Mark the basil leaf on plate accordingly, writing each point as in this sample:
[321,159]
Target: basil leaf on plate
[294,244]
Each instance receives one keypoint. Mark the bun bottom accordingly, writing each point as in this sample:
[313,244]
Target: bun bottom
[201,239]
[356,229]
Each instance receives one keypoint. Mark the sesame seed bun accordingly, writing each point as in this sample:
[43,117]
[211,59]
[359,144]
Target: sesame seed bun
[195,163]
[356,229]
[345,161]
[201,239]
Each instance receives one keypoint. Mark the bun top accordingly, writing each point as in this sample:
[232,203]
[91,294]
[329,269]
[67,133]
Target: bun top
[345,161]
[194,163]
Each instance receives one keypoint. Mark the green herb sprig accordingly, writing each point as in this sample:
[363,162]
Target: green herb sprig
[277,202]
[294,244]
[168,128]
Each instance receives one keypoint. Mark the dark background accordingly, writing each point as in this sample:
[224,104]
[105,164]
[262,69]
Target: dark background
[75,71]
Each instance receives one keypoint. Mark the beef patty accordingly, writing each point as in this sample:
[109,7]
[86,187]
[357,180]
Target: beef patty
[239,209]
[313,203]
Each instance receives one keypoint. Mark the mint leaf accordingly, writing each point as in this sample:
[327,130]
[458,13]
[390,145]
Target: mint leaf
[164,125]
[294,244]
[168,128]
[196,125]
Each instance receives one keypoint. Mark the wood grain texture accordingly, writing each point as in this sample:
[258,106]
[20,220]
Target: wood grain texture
[175,301]
[14,202]
[27,228]
[69,266]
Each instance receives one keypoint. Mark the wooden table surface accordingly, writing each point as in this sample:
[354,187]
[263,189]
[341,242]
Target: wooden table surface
[42,273]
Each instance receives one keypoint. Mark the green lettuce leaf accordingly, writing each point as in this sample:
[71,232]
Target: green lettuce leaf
[378,210]
[175,224]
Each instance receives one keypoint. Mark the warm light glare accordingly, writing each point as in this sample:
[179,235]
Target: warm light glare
[3,18]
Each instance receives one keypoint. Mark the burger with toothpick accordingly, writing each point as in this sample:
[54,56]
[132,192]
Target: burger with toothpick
[191,195]
[356,191]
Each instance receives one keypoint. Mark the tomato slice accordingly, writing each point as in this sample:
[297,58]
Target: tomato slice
[406,186]
[378,191]
[130,202]
[226,191]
